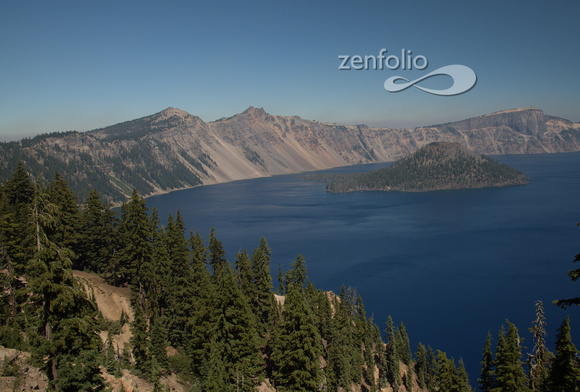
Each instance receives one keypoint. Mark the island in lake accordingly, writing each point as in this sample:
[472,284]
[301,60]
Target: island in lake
[436,166]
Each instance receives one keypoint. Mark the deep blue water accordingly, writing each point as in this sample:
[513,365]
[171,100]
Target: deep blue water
[452,265]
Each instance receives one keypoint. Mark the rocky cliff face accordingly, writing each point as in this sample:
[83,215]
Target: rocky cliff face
[174,149]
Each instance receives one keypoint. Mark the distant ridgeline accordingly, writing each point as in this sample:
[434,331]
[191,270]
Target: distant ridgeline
[435,166]
[173,149]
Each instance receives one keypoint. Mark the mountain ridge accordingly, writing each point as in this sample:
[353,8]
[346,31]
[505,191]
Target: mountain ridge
[173,149]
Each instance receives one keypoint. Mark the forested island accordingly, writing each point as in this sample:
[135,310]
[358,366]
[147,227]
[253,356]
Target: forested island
[198,322]
[436,166]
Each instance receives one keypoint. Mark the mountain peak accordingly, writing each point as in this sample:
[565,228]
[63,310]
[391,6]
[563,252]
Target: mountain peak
[256,112]
[514,111]
[171,111]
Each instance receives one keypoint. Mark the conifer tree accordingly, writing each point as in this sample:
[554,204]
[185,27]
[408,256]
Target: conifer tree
[111,362]
[296,275]
[244,275]
[446,373]
[421,367]
[297,346]
[565,373]
[281,290]
[538,361]
[176,241]
[341,347]
[381,356]
[139,341]
[393,374]
[324,313]
[217,255]
[97,241]
[64,317]
[119,269]
[462,379]
[216,378]
[509,372]
[17,234]
[486,379]
[180,290]
[432,369]
[262,298]
[159,295]
[199,325]
[138,249]
[200,275]
[235,329]
[402,345]
[66,228]
[157,346]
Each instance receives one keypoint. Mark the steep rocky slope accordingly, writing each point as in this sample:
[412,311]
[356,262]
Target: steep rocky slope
[174,149]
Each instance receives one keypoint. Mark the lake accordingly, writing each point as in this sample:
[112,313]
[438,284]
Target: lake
[452,265]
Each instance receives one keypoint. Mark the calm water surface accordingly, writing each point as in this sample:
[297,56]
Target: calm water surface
[450,264]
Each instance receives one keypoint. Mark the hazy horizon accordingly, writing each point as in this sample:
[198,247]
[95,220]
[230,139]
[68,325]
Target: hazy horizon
[81,66]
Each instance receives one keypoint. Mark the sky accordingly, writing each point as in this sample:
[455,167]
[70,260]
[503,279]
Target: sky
[81,65]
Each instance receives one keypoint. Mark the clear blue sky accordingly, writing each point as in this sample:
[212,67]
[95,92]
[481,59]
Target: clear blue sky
[80,65]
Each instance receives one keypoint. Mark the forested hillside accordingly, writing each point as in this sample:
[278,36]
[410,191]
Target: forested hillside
[435,166]
[228,329]
[215,324]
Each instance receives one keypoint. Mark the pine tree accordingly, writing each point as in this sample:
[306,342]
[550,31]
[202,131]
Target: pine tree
[66,228]
[119,268]
[180,290]
[12,291]
[486,379]
[157,345]
[111,362]
[432,369]
[297,347]
[97,241]
[17,234]
[421,367]
[324,314]
[402,345]
[139,250]
[65,332]
[341,346]
[199,325]
[244,275]
[462,379]
[159,295]
[200,274]
[509,372]
[565,373]
[216,378]
[262,298]
[296,275]
[139,341]
[281,289]
[176,242]
[393,374]
[217,255]
[538,361]
[235,329]
[445,373]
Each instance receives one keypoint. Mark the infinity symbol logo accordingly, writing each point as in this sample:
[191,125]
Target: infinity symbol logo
[463,80]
